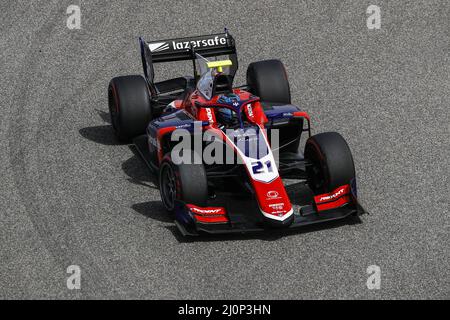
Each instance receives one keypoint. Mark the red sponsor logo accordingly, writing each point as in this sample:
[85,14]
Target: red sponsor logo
[332,196]
[206,211]
[335,199]
[208,214]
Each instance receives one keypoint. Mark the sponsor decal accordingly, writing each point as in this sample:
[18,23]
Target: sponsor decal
[277,206]
[250,110]
[335,199]
[209,115]
[209,214]
[335,195]
[211,42]
[206,211]
[181,126]
[158,47]
[186,45]
[272,194]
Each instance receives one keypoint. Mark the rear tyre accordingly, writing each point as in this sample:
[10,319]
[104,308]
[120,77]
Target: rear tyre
[185,182]
[129,106]
[331,162]
[268,80]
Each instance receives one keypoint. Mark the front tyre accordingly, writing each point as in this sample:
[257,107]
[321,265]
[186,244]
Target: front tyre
[129,106]
[186,182]
[330,162]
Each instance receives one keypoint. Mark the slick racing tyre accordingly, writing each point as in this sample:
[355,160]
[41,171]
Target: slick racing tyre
[268,80]
[330,162]
[129,106]
[186,182]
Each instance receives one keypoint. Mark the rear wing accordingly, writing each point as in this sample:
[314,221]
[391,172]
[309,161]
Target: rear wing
[180,49]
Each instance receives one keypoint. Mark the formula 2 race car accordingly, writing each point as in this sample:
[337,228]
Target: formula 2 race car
[227,177]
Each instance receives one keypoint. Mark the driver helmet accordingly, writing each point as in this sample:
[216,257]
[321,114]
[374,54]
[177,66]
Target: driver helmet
[227,116]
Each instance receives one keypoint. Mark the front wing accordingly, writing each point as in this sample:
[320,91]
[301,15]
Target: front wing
[245,220]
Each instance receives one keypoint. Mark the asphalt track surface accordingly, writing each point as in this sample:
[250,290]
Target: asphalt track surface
[71,195]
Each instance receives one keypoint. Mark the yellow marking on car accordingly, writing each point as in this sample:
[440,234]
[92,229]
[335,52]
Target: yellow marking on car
[219,64]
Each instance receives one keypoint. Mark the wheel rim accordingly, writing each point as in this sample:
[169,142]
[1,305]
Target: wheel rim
[168,187]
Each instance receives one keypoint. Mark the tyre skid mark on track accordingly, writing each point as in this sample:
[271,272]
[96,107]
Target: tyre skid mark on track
[18,151]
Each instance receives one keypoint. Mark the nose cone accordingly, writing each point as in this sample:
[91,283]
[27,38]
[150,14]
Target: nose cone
[275,223]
